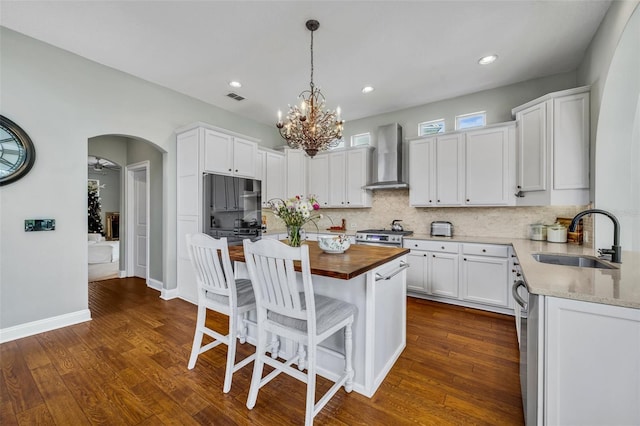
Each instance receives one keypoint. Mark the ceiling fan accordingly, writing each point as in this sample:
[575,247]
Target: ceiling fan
[100,164]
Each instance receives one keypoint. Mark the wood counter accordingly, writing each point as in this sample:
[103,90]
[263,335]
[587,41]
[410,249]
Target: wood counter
[357,260]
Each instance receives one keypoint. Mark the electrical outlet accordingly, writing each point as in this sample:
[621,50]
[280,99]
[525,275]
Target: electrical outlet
[353,226]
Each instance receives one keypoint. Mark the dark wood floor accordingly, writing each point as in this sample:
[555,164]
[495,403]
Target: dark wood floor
[129,366]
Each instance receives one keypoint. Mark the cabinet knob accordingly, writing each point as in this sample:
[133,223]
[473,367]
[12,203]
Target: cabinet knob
[425,255]
[465,259]
[484,250]
[415,245]
[442,247]
[467,200]
[430,201]
[236,170]
[519,187]
[433,255]
[438,200]
[348,202]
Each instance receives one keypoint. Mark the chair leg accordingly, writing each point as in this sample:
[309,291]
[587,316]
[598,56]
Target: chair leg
[348,349]
[311,386]
[275,346]
[231,351]
[302,356]
[197,338]
[258,364]
[243,328]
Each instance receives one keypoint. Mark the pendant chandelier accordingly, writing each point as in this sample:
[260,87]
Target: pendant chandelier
[309,126]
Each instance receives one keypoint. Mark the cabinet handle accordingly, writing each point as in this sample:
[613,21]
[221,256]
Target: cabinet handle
[516,264]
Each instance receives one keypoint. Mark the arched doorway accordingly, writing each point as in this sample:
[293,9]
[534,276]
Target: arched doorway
[142,158]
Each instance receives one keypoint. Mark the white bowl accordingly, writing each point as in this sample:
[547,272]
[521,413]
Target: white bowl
[337,244]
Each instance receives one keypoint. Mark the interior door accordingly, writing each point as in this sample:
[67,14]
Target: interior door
[140,223]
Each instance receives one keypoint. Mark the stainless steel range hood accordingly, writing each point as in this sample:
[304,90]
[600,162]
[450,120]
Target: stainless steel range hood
[388,159]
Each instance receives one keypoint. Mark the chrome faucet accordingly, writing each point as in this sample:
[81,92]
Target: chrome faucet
[615,251]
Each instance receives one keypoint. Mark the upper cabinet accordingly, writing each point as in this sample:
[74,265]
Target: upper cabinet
[296,172]
[471,168]
[490,166]
[271,171]
[228,154]
[336,178]
[553,149]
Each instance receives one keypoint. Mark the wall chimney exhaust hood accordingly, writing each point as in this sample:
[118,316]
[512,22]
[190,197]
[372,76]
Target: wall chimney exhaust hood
[388,159]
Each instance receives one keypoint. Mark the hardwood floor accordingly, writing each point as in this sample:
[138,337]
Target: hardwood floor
[128,366]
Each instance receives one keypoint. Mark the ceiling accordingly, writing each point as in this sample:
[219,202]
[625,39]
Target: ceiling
[411,52]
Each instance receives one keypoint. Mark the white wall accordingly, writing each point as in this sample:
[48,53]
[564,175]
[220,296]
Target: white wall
[61,100]
[612,67]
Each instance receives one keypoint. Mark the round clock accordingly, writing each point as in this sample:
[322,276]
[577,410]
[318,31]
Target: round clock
[17,152]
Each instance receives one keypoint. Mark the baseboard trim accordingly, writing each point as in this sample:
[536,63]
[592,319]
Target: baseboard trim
[40,326]
[122,274]
[169,294]
[154,284]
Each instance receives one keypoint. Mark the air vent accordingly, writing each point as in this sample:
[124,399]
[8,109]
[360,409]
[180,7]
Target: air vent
[235,96]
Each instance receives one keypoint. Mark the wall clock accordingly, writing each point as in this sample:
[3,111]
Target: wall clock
[17,152]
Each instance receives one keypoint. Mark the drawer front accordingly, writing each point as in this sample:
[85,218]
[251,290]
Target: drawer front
[486,250]
[435,246]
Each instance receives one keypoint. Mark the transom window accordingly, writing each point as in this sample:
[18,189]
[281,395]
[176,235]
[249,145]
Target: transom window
[474,119]
[361,139]
[431,127]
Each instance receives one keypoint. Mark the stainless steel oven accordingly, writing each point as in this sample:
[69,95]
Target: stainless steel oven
[381,237]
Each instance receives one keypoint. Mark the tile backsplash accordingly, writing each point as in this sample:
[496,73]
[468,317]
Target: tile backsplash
[387,205]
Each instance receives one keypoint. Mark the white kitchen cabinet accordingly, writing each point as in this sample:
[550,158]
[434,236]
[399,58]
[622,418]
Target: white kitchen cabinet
[273,175]
[553,149]
[422,172]
[449,160]
[436,170]
[228,154]
[337,178]
[589,370]
[433,268]
[199,146]
[472,168]
[319,178]
[296,172]
[490,166]
[358,174]
[485,274]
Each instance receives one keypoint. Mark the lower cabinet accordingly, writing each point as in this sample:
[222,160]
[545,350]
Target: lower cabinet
[475,275]
[485,274]
[591,369]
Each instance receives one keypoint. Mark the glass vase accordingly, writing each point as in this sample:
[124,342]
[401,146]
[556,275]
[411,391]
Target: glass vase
[294,235]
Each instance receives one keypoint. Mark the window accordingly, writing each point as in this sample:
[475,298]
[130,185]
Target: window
[467,121]
[361,139]
[431,127]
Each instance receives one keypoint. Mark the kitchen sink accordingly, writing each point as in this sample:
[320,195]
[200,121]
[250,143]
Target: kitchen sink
[572,260]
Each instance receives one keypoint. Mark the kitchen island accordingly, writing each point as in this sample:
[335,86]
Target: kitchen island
[374,280]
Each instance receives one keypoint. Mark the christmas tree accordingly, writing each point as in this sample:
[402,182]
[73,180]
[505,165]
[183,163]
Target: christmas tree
[95,221]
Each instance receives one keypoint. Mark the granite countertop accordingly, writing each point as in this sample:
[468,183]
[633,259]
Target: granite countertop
[620,286]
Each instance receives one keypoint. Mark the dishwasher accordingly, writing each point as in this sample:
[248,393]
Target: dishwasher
[528,312]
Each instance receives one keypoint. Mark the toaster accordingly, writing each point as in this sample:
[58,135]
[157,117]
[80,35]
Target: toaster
[441,229]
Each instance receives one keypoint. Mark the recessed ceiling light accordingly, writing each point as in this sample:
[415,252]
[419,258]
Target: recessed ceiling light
[486,60]
[235,84]
[367,89]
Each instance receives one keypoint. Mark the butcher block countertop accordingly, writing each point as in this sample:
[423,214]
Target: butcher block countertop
[357,260]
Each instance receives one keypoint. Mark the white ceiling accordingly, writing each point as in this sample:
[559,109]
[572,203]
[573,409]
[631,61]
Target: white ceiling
[412,52]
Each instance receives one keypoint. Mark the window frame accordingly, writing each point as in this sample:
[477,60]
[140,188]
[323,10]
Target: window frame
[443,129]
[460,117]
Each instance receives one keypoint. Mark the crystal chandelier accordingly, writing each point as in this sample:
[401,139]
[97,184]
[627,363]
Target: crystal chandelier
[309,126]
